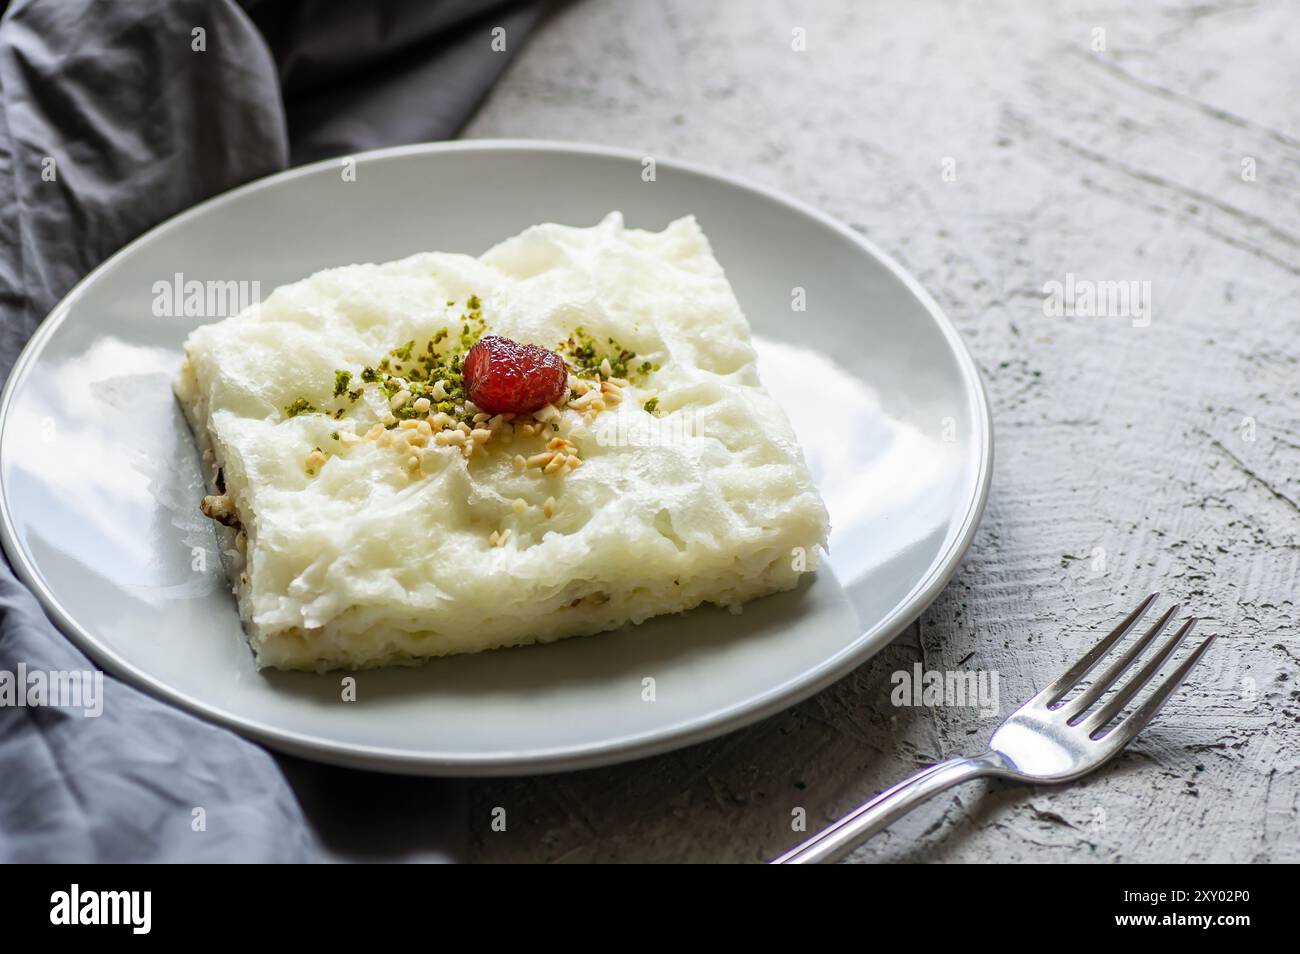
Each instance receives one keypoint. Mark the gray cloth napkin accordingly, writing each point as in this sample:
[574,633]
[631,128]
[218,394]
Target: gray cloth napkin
[146,109]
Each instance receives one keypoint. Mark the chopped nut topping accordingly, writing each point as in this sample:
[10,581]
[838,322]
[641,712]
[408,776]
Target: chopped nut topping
[221,508]
[427,411]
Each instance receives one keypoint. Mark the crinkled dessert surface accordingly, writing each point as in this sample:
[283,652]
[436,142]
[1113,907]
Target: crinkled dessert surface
[691,486]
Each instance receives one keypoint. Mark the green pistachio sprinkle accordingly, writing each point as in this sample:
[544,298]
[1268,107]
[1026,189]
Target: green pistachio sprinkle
[585,358]
[417,366]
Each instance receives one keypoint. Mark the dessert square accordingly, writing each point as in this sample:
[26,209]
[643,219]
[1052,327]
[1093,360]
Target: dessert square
[372,514]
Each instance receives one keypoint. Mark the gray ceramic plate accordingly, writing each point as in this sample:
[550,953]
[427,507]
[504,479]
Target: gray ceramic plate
[100,480]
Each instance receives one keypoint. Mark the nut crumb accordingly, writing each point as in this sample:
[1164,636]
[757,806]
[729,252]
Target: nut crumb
[221,508]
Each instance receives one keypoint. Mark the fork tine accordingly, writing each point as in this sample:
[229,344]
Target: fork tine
[1130,727]
[1074,709]
[1057,690]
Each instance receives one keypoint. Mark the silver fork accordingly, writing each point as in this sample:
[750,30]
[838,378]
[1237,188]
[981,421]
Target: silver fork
[1044,741]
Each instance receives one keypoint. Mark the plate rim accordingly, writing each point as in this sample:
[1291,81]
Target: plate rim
[564,758]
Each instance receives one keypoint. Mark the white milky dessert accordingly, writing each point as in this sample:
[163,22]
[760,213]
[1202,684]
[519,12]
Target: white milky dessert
[404,467]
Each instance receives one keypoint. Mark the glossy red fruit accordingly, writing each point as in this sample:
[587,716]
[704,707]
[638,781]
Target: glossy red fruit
[506,377]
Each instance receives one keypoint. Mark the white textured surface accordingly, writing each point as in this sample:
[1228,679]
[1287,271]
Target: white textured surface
[704,501]
[1123,458]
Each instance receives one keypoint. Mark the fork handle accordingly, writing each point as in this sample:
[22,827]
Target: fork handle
[834,842]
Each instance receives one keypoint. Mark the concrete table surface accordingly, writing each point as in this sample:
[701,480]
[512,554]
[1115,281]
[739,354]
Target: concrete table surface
[994,148]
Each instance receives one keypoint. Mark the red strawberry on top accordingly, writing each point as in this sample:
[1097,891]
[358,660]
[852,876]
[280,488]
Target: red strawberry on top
[506,377]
